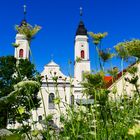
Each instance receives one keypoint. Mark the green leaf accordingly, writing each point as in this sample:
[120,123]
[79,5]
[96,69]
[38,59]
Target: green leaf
[21,110]
[35,133]
[57,101]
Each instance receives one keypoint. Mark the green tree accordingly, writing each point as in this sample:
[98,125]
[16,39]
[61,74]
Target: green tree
[25,98]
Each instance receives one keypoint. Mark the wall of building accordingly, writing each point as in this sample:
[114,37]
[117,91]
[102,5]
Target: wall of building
[122,87]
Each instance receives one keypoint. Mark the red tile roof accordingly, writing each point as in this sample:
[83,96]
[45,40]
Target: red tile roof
[110,80]
[107,78]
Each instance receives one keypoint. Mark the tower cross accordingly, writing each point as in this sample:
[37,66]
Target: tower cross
[24,10]
[81,11]
[52,57]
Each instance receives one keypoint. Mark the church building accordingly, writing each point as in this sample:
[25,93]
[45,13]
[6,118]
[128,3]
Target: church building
[57,87]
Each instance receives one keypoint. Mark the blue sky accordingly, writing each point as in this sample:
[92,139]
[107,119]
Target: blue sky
[59,20]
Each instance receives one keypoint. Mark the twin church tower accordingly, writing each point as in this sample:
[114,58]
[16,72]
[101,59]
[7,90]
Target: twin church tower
[23,50]
[82,61]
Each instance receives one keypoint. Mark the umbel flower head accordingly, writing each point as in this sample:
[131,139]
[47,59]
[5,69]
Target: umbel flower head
[105,55]
[97,37]
[128,48]
[28,30]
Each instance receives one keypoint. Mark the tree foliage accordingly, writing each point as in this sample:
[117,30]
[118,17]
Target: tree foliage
[12,93]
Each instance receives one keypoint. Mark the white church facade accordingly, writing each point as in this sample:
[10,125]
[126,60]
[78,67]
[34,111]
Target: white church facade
[55,85]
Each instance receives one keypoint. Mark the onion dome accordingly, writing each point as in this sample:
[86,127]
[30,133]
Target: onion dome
[81,30]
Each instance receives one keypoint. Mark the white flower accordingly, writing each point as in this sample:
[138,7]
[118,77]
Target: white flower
[121,107]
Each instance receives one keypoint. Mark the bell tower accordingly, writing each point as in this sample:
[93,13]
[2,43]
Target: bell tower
[22,45]
[82,62]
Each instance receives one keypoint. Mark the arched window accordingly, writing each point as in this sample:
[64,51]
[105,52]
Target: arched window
[72,99]
[21,53]
[51,101]
[82,54]
[39,118]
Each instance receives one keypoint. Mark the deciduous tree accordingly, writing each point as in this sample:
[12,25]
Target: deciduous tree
[17,96]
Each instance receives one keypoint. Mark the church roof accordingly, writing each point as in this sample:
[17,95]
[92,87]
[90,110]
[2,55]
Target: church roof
[52,70]
[107,78]
[81,30]
[52,64]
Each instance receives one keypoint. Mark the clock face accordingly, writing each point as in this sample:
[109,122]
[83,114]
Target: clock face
[82,45]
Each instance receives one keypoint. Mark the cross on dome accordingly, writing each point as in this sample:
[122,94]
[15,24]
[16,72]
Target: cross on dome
[24,11]
[52,57]
[24,22]
[81,11]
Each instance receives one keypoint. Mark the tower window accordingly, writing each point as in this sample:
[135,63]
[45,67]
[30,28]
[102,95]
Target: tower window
[51,101]
[72,99]
[21,53]
[82,54]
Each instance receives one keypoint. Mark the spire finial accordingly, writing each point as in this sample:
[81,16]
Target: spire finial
[24,8]
[81,11]
[51,57]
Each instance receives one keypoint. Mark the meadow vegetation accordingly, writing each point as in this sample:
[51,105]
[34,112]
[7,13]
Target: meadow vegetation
[104,120]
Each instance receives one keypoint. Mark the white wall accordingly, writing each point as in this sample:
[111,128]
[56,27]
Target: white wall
[23,44]
[122,87]
[81,43]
